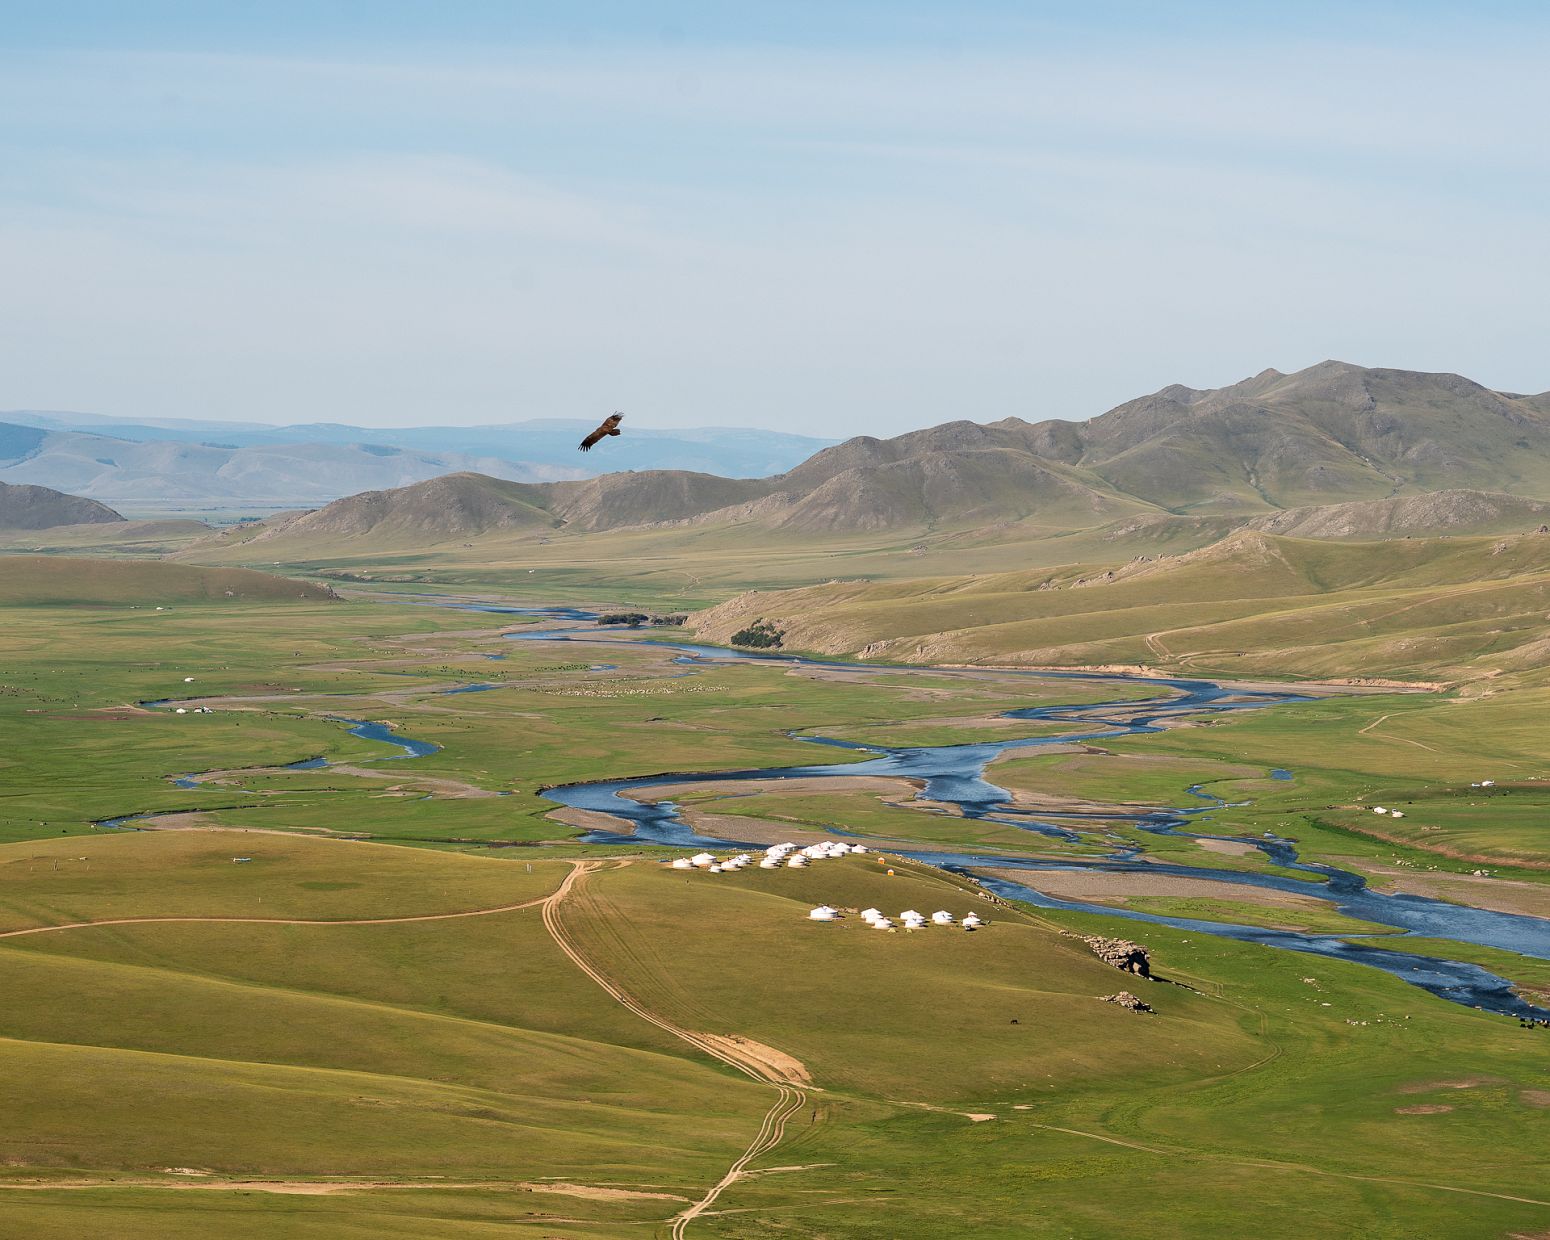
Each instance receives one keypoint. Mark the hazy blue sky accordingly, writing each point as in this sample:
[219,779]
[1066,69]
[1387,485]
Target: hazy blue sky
[831,217]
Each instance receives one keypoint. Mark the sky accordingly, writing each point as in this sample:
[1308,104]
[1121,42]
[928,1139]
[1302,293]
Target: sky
[832,218]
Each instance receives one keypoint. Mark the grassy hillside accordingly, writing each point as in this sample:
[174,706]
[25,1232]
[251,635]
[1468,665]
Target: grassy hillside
[106,538]
[1420,609]
[960,1083]
[476,1054]
[48,581]
[38,508]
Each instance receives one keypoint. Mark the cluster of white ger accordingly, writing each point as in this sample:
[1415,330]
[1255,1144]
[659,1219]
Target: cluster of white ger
[775,856]
[909,918]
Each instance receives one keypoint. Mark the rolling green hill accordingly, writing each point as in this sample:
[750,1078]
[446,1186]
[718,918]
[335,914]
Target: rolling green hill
[106,538]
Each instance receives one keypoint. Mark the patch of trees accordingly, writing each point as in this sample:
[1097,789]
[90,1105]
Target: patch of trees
[637,618]
[760,635]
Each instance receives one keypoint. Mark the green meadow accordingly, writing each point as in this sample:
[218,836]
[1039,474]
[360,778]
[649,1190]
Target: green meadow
[350,1001]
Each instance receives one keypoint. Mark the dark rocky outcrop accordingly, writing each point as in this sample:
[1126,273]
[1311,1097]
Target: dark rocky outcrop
[1124,955]
[1127,1000]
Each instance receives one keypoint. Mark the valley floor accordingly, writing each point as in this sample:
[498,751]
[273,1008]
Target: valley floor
[274,971]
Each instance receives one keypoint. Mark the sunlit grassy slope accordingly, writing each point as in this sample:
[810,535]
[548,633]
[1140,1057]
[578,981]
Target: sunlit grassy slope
[441,1070]
[1253,604]
[665,568]
[106,538]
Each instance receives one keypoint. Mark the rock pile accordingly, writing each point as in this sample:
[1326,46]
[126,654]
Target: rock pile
[1127,1000]
[1124,955]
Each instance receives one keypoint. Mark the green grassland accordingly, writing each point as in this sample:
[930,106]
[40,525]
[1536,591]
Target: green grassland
[84,752]
[1314,920]
[465,1049]
[1127,778]
[285,1028]
[108,538]
[477,1055]
[871,1013]
[31,580]
[1349,754]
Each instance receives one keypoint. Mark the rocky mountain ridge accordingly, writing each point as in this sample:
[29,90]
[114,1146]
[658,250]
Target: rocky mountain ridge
[1277,449]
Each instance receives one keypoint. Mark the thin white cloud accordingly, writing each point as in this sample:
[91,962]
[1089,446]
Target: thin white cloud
[819,241]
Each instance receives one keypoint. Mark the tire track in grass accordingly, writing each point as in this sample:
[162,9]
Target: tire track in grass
[1389,736]
[280,921]
[1272,1164]
[789,1099]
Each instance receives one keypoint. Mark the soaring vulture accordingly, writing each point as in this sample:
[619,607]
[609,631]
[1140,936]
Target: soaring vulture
[609,427]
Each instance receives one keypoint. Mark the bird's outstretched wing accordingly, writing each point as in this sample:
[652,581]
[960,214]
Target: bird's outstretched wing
[609,426]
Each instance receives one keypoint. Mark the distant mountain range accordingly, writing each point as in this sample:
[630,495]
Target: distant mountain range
[1390,450]
[170,462]
[1334,451]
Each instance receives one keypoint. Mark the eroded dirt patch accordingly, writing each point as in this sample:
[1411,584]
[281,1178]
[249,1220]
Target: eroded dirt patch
[777,1063]
[1462,1082]
[598,1192]
[1228,848]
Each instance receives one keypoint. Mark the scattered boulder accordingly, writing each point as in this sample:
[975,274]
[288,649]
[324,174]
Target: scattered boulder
[1127,1000]
[1124,955]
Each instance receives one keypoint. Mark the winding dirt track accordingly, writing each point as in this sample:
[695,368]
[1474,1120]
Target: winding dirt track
[789,1099]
